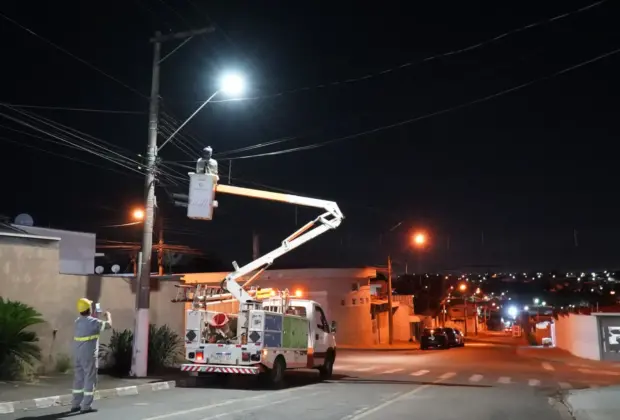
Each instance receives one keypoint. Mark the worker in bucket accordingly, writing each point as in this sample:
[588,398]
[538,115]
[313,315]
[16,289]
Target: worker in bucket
[206,164]
[85,355]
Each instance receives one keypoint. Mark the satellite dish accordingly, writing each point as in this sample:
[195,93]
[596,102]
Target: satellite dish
[24,219]
[99,269]
[116,268]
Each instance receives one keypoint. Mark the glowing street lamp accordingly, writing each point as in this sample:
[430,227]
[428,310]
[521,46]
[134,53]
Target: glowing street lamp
[231,84]
[463,287]
[536,301]
[138,214]
[419,239]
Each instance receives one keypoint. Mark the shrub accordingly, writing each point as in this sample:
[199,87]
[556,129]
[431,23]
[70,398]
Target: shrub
[164,347]
[18,347]
[118,352]
[63,363]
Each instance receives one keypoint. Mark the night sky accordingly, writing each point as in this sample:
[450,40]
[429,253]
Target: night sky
[502,182]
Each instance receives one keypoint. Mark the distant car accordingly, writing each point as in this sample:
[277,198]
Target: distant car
[434,338]
[455,338]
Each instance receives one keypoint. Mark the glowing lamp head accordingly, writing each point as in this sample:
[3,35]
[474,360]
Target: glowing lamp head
[419,239]
[138,214]
[463,287]
[232,84]
[298,293]
[513,312]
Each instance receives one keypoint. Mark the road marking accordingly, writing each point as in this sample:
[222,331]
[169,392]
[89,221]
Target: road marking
[504,380]
[475,378]
[225,403]
[447,375]
[420,373]
[252,408]
[533,382]
[599,372]
[366,369]
[389,402]
[547,366]
[564,385]
[392,371]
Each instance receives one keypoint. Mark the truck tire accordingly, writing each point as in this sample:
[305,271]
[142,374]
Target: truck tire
[325,371]
[275,376]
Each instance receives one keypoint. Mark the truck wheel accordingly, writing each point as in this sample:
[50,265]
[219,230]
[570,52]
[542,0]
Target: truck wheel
[275,375]
[325,371]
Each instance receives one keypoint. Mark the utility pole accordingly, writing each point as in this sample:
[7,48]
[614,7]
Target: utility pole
[390,318]
[143,291]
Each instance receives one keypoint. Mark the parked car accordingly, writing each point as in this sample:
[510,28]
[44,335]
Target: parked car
[455,338]
[434,338]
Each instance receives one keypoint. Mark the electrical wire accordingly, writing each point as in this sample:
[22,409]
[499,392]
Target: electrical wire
[410,64]
[24,123]
[81,60]
[432,114]
[62,108]
[54,125]
[30,146]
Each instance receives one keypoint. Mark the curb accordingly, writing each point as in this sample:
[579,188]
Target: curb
[63,400]
[377,349]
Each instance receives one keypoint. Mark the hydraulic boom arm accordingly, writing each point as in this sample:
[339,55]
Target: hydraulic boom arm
[330,219]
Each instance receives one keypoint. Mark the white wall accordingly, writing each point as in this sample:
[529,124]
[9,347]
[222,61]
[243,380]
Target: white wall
[578,334]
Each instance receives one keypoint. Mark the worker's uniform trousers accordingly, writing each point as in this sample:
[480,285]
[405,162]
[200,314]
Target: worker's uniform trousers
[85,360]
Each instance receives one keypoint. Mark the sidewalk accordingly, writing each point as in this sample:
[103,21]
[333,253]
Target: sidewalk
[397,346]
[47,391]
[554,354]
[594,404]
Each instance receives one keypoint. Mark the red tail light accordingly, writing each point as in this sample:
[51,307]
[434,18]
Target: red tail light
[245,357]
[200,356]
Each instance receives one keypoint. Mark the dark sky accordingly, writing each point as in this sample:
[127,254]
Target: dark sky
[521,170]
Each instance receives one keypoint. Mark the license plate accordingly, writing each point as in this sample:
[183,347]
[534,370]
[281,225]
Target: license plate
[222,356]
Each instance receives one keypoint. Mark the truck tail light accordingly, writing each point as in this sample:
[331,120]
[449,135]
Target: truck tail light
[200,356]
[244,339]
[245,357]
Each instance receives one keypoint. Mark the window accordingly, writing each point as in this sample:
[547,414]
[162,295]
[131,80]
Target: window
[321,321]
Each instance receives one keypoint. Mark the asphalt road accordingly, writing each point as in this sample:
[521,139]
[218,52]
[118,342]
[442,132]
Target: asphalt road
[479,381]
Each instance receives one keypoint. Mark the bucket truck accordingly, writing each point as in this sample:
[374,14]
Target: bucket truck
[272,330]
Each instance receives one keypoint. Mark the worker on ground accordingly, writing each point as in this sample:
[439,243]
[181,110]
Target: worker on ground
[85,355]
[206,164]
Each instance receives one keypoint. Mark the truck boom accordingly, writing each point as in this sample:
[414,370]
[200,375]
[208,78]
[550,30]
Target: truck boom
[330,219]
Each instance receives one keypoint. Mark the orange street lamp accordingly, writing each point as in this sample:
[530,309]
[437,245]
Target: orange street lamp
[463,287]
[138,214]
[419,239]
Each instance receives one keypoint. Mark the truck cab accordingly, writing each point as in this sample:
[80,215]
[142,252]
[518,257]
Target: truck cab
[321,334]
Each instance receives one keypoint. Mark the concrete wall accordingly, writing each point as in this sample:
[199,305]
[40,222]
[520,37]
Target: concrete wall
[578,334]
[29,273]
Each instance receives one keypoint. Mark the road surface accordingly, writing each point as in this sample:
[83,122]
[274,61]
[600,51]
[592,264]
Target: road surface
[479,381]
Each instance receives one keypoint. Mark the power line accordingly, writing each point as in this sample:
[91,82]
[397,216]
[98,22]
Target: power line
[424,60]
[430,115]
[81,60]
[30,146]
[62,108]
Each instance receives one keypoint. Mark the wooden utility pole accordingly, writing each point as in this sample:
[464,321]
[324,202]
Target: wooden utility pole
[390,318]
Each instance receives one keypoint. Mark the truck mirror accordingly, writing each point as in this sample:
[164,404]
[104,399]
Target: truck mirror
[333,326]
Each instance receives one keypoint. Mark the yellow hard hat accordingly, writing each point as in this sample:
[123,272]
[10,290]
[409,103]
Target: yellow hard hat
[84,305]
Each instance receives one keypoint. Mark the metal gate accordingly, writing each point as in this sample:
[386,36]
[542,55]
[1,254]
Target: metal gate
[609,327]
